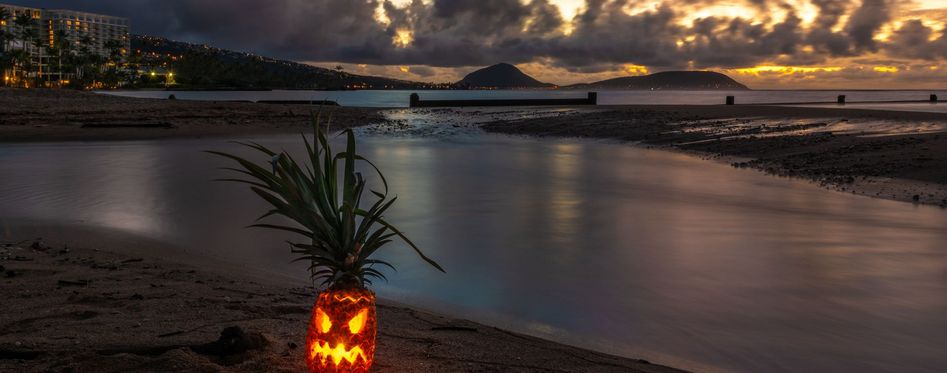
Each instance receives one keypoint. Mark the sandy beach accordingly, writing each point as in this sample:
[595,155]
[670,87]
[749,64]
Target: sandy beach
[106,301]
[41,115]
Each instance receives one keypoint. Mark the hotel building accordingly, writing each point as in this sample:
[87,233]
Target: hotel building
[81,29]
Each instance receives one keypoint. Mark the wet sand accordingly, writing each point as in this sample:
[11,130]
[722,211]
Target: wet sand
[111,302]
[893,155]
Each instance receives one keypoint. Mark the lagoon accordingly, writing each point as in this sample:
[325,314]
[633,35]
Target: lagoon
[642,253]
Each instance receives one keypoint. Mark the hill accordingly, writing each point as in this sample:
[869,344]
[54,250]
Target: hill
[500,76]
[202,66]
[669,80]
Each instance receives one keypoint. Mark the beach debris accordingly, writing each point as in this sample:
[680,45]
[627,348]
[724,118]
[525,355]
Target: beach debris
[132,260]
[111,266]
[137,296]
[19,355]
[39,246]
[129,125]
[74,282]
[454,328]
[10,274]
[233,340]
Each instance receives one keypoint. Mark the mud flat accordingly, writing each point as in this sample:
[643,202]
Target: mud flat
[885,154]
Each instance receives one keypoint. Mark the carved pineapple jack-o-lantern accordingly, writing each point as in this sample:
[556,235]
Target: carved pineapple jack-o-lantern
[341,335]
[324,200]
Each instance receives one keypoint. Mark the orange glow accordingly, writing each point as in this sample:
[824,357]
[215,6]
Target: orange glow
[886,69]
[785,70]
[341,336]
[358,322]
[337,354]
[636,69]
[322,321]
[402,38]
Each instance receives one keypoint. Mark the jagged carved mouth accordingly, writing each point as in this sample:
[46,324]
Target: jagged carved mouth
[322,351]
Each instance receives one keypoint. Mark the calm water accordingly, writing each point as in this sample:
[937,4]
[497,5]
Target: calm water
[400,98]
[637,252]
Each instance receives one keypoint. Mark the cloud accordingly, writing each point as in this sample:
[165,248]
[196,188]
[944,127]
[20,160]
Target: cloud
[866,21]
[602,37]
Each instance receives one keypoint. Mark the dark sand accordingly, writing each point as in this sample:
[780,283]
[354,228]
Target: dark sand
[70,307]
[884,154]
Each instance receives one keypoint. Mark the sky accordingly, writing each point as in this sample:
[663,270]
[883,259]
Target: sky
[766,44]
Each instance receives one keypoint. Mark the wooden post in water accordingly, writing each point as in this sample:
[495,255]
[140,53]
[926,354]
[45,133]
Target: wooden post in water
[933,99]
[841,99]
[731,100]
[593,98]
[415,100]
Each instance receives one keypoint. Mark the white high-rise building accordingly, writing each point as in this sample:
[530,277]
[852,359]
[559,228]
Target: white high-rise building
[98,34]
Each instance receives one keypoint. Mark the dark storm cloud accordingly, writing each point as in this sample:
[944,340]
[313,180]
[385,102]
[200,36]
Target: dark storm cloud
[915,40]
[605,33]
[866,21]
[450,33]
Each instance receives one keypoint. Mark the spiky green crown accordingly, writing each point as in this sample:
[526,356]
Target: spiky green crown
[325,208]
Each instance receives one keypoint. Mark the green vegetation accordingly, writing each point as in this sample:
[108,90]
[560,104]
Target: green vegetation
[198,66]
[341,235]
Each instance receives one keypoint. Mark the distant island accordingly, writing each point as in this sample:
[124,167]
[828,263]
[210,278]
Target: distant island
[500,76]
[667,81]
[199,66]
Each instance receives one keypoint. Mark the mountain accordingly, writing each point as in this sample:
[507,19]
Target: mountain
[201,66]
[669,80]
[500,76]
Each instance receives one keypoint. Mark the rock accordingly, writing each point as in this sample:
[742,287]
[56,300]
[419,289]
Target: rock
[233,340]
[10,274]
[38,245]
[916,198]
[73,283]
[137,296]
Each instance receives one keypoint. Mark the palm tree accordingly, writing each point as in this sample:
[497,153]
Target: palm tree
[5,38]
[26,35]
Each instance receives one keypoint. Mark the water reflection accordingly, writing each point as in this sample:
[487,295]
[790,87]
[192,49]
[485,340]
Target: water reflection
[637,252]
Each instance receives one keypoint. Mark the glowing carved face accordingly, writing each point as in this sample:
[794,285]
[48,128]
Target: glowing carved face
[342,332]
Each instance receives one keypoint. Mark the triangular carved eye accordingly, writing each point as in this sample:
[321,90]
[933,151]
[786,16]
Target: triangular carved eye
[322,321]
[358,322]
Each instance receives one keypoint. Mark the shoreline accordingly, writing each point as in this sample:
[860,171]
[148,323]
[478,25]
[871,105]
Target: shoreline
[102,304]
[47,115]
